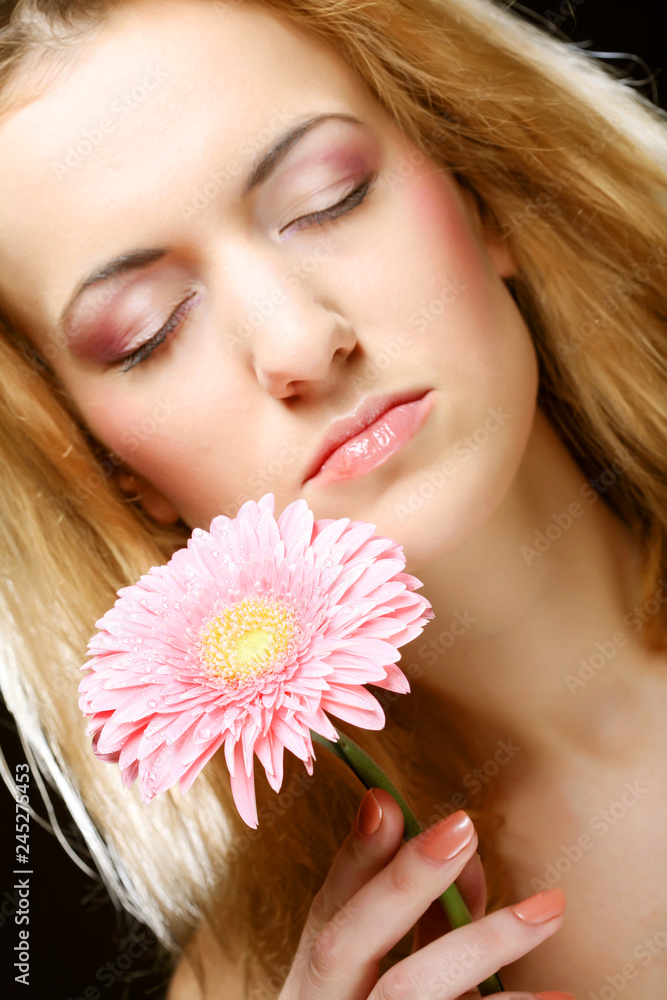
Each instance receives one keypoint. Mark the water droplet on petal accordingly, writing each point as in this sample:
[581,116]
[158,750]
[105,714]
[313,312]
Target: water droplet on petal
[203,734]
[328,562]
[151,703]
[151,775]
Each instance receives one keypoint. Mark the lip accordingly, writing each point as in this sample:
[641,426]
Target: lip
[368,416]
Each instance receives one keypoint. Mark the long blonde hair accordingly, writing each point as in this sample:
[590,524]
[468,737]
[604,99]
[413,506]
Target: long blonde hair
[571,166]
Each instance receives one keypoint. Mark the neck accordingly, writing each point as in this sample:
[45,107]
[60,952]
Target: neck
[535,638]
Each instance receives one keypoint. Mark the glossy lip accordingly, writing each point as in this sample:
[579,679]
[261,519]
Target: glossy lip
[366,413]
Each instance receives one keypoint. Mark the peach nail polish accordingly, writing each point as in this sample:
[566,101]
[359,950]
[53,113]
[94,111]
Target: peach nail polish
[542,907]
[449,837]
[369,815]
[555,995]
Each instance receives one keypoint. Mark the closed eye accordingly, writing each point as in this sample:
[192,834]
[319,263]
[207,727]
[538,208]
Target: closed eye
[349,202]
[147,348]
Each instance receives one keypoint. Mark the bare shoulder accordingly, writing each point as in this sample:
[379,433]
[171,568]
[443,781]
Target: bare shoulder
[223,979]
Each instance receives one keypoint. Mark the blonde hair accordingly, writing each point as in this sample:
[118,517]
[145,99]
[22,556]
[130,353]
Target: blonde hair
[571,166]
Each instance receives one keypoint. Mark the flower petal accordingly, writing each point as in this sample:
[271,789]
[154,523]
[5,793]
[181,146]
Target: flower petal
[355,705]
[243,789]
[296,528]
[189,775]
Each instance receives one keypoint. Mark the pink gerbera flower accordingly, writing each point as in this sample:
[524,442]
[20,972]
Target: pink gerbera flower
[246,638]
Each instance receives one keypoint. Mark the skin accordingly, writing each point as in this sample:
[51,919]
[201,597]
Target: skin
[202,421]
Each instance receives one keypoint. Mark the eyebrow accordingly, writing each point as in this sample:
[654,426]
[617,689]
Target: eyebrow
[135,260]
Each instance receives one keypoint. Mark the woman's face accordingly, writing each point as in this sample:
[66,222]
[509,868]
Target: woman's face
[283,332]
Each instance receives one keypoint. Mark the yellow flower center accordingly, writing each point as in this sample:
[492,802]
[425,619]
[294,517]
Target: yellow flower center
[248,639]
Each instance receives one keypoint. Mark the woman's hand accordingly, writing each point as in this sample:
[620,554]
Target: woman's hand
[377,889]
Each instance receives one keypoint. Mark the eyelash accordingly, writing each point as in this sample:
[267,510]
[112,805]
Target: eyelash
[347,204]
[147,348]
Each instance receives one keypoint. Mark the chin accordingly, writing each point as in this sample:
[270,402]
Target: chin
[429,530]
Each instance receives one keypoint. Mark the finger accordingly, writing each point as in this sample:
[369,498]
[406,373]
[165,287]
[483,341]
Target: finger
[364,852]
[472,886]
[457,962]
[374,839]
[471,883]
[431,925]
[343,960]
[514,995]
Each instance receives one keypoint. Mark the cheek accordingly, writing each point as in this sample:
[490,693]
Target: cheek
[424,276]
[134,428]
[440,257]
[434,207]
[464,302]
[178,437]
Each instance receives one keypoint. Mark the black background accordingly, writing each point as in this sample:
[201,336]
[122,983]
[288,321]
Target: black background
[74,930]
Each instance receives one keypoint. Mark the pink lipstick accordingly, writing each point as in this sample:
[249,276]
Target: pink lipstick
[374,444]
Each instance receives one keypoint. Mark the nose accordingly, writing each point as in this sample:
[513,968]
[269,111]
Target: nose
[295,339]
[299,351]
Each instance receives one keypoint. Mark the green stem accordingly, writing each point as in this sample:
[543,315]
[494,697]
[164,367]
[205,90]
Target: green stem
[373,776]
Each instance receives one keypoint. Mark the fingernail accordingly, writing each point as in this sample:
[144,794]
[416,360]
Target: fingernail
[542,907]
[369,815]
[555,995]
[449,837]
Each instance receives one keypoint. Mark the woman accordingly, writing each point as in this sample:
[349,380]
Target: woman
[406,260]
